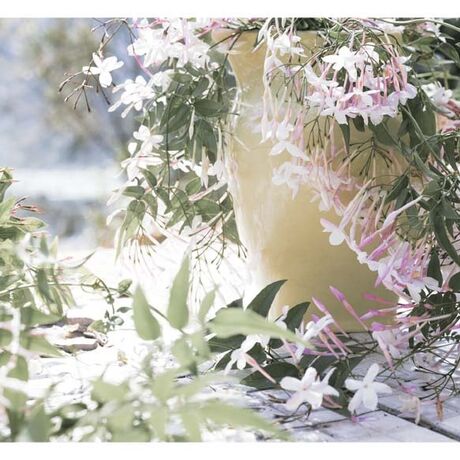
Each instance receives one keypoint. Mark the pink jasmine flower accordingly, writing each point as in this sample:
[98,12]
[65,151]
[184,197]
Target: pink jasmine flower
[366,390]
[103,68]
[337,110]
[309,389]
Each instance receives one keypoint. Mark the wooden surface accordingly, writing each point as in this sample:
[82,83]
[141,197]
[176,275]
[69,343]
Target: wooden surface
[323,425]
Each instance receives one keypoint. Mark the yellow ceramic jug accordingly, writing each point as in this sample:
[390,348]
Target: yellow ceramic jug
[283,235]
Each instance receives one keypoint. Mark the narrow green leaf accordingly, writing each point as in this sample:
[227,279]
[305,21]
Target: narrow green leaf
[178,314]
[263,301]
[232,321]
[225,414]
[105,392]
[38,344]
[206,305]
[277,370]
[454,282]
[346,135]
[39,426]
[145,323]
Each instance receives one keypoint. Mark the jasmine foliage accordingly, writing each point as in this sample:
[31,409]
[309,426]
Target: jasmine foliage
[177,402]
[35,290]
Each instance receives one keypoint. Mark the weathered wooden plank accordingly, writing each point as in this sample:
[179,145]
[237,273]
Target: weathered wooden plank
[448,425]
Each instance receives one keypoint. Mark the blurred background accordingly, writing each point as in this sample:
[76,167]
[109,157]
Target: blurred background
[66,160]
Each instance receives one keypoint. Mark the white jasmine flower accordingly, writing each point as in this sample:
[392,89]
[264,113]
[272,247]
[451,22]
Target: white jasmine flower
[134,94]
[388,341]
[309,389]
[367,390]
[337,235]
[291,174]
[312,330]
[344,59]
[103,68]
[287,44]
[283,131]
[439,96]
[162,79]
[239,356]
[149,141]
[318,82]
[151,43]
[411,404]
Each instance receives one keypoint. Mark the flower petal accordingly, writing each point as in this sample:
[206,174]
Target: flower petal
[295,400]
[291,384]
[370,399]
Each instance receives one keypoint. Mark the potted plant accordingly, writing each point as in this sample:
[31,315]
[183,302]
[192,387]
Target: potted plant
[296,128]
[328,148]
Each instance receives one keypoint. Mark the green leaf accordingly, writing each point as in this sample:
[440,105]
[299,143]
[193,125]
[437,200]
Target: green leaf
[39,345]
[147,326]
[359,123]
[134,191]
[346,135]
[451,52]
[400,184]
[208,108]
[295,315]
[32,317]
[38,427]
[5,209]
[6,337]
[443,237]
[232,321]
[277,370]
[178,314]
[454,282]
[21,370]
[206,305]
[105,392]
[263,301]
[191,421]
[381,134]
[225,414]
[182,352]
[149,177]
[434,268]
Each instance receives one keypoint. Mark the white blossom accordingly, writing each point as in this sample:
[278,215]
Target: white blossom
[308,389]
[103,68]
[367,390]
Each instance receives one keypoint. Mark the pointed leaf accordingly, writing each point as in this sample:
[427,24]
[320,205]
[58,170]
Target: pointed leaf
[263,301]
[178,309]
[146,324]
